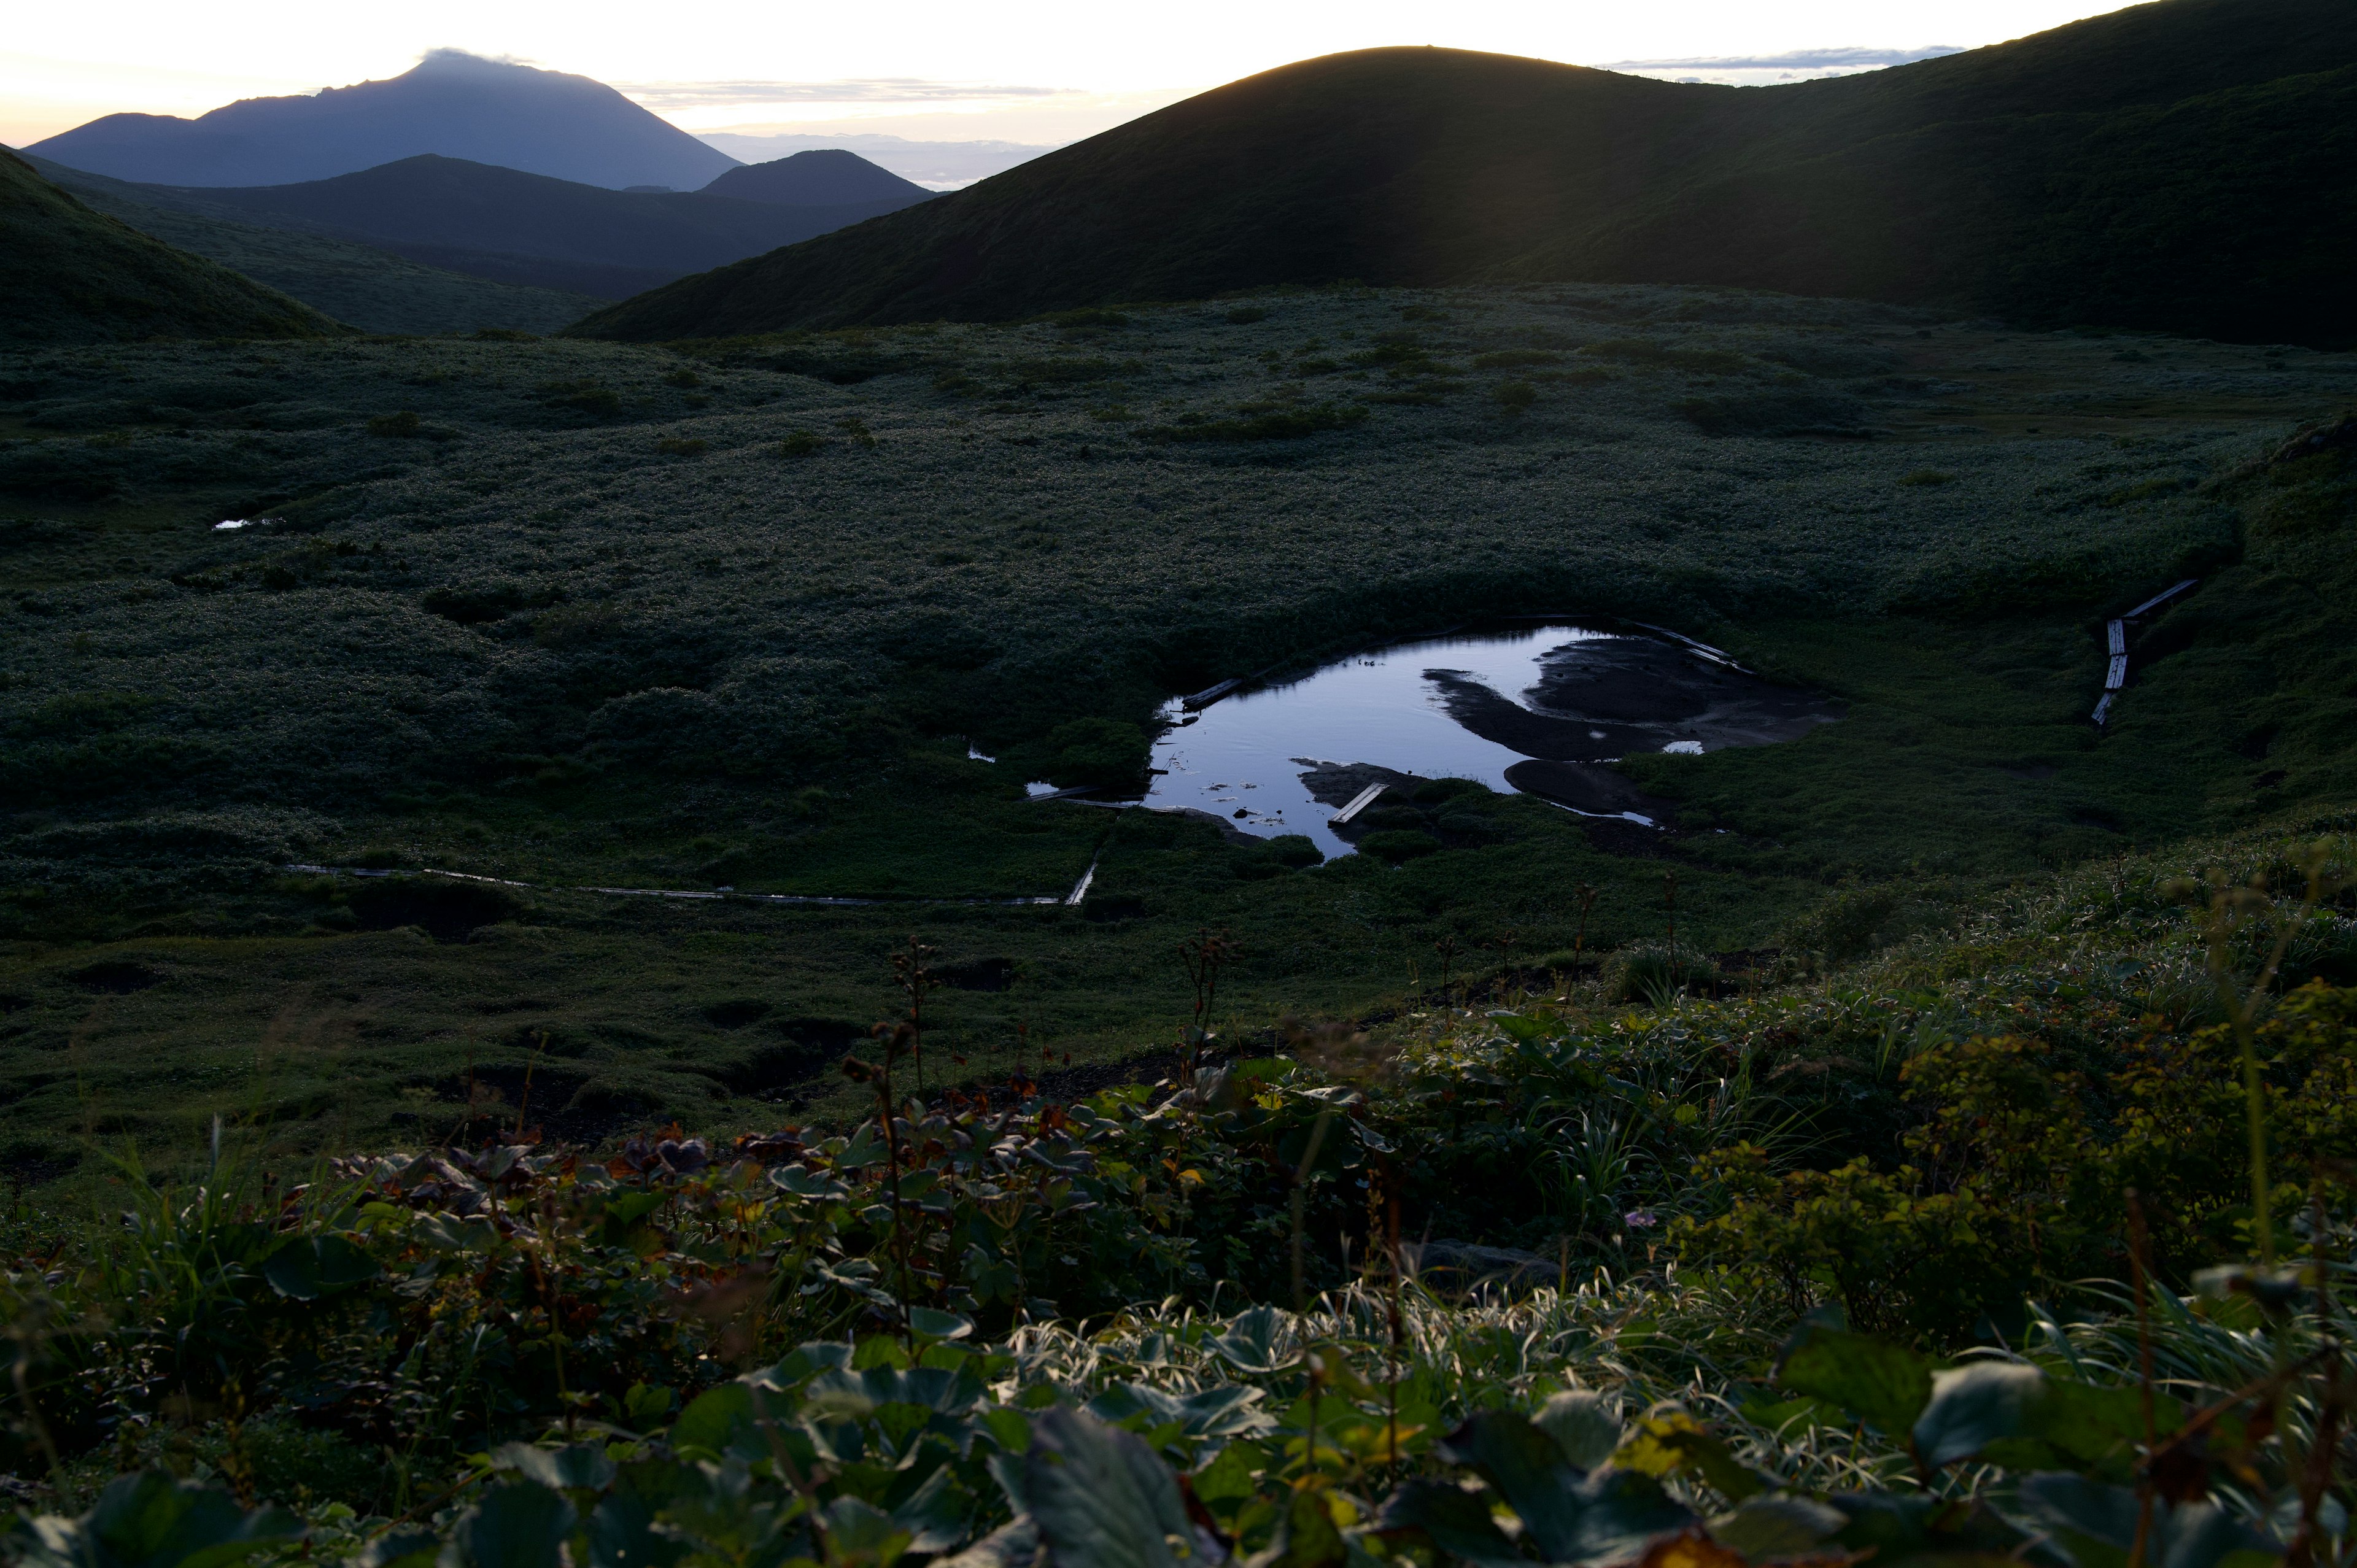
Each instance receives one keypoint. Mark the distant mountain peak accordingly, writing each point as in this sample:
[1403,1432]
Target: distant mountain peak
[462,62]
[826,177]
[451,103]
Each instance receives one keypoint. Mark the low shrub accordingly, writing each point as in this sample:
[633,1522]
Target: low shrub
[1108,753]
[1652,972]
[1397,844]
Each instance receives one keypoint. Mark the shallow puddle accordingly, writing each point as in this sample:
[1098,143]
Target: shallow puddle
[1535,708]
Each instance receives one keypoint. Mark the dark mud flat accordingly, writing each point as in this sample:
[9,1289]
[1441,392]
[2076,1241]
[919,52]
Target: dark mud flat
[1591,789]
[1336,784]
[1604,697]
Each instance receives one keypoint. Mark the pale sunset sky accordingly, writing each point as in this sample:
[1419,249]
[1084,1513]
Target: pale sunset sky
[1022,70]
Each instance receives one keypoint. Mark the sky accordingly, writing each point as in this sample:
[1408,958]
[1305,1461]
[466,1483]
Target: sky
[1022,70]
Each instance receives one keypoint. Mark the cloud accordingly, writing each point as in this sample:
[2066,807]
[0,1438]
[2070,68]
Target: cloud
[1798,59]
[864,90]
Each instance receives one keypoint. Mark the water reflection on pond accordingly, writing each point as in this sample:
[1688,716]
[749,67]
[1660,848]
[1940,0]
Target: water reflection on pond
[1534,709]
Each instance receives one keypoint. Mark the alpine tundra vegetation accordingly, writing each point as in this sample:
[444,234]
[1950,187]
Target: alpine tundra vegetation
[583,984]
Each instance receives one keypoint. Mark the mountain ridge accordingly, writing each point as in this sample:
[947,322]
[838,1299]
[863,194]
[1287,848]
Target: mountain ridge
[360,284]
[521,228]
[2007,180]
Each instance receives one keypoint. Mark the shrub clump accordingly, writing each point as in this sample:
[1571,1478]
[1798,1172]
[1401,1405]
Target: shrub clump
[1399,844]
[1650,973]
[1110,754]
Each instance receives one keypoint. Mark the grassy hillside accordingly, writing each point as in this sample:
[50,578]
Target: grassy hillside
[608,616]
[71,276]
[373,290]
[2183,165]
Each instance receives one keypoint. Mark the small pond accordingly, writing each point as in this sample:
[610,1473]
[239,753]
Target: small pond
[1536,709]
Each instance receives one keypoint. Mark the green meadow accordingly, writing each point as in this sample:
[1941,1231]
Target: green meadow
[580,616]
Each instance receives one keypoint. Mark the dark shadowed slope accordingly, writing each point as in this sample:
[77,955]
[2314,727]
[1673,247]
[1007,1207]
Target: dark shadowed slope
[356,283]
[2189,166]
[453,104]
[828,177]
[529,229]
[71,276]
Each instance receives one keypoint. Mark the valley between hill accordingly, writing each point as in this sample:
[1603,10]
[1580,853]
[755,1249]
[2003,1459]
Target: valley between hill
[583,615]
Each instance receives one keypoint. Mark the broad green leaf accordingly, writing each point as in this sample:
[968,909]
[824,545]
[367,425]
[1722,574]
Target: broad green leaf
[1668,1438]
[1008,1428]
[1229,1479]
[926,1323]
[1517,1028]
[1007,1468]
[624,1209]
[1101,1496]
[1452,1517]
[450,1234]
[622,1535]
[2100,1429]
[1253,1343]
[1011,1546]
[1777,1526]
[411,1546]
[306,1268]
[646,1404]
[1569,1518]
[867,1148]
[1223,1410]
[2096,1524]
[1884,1386]
[1583,1423]
[803,1363]
[805,1183]
[934,1514]
[517,1524]
[1974,1406]
[1308,1535]
[581,1466]
[1900,1528]
[861,1535]
[149,1520]
[715,1420]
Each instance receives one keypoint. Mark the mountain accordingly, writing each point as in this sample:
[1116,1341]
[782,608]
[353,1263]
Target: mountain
[2189,166]
[823,177]
[528,229]
[359,285]
[72,275]
[932,164]
[450,103]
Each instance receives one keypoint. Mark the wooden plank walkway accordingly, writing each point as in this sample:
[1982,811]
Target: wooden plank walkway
[2115,640]
[1359,802]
